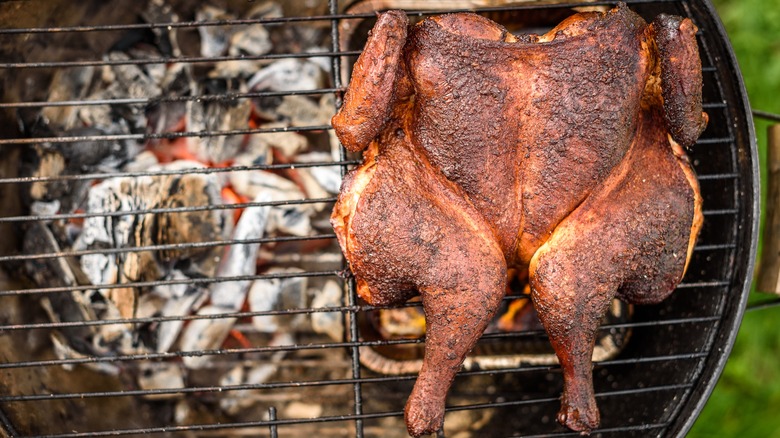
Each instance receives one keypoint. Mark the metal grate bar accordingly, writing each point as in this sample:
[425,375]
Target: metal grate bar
[297,19]
[200,281]
[637,428]
[208,170]
[216,243]
[706,141]
[334,382]
[210,207]
[203,281]
[309,310]
[161,135]
[164,247]
[767,115]
[196,170]
[363,416]
[319,346]
[173,60]
[222,97]
[767,304]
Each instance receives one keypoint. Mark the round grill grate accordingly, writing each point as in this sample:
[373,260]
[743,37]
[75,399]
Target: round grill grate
[302,361]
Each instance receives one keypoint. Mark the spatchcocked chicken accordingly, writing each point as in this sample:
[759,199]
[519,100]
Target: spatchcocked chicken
[560,156]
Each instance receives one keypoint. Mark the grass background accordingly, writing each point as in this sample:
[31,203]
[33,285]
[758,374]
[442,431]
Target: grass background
[746,400]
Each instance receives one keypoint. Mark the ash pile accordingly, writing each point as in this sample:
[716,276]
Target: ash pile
[181,209]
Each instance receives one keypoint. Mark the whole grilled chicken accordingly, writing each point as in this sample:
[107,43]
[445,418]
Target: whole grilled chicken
[560,156]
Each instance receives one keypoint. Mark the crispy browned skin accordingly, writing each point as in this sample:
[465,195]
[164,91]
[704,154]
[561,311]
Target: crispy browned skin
[558,155]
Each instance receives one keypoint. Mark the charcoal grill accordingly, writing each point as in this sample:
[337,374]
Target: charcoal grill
[654,385]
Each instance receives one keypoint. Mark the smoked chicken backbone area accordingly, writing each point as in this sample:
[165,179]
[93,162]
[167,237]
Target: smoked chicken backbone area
[556,158]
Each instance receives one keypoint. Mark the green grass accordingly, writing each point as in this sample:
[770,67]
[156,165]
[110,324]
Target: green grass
[745,401]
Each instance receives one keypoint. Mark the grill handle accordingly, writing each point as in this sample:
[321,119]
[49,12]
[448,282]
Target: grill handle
[769,268]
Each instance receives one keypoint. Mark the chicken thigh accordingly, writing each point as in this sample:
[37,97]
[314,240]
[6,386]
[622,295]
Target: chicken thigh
[558,155]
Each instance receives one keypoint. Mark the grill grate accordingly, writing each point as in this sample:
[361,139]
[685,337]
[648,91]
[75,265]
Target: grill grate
[655,386]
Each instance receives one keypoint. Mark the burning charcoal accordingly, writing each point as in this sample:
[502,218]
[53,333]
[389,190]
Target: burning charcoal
[120,304]
[294,111]
[67,84]
[328,177]
[406,322]
[161,376]
[252,40]
[91,155]
[58,272]
[45,161]
[178,228]
[53,160]
[215,116]
[180,300]
[142,162]
[142,230]
[288,143]
[240,259]
[120,82]
[289,74]
[129,80]
[312,187]
[328,323]
[290,219]
[265,9]
[227,297]
[277,294]
[233,402]
[40,208]
[64,352]
[205,334]
[159,11]
[155,71]
[256,152]
[214,40]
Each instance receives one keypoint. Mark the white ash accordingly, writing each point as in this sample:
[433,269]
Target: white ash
[291,74]
[156,376]
[313,188]
[234,402]
[178,300]
[252,372]
[256,152]
[294,110]
[41,208]
[215,117]
[288,143]
[142,162]
[142,230]
[229,296]
[253,40]
[205,334]
[64,352]
[328,323]
[213,39]
[290,219]
[67,84]
[328,177]
[278,294]
[241,259]
[298,409]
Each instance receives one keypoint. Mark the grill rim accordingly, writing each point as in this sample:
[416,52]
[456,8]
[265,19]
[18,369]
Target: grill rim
[727,333]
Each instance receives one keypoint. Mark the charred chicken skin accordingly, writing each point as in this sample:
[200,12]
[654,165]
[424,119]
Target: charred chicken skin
[560,155]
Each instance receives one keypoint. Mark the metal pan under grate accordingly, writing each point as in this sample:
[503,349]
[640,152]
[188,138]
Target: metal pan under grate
[109,260]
